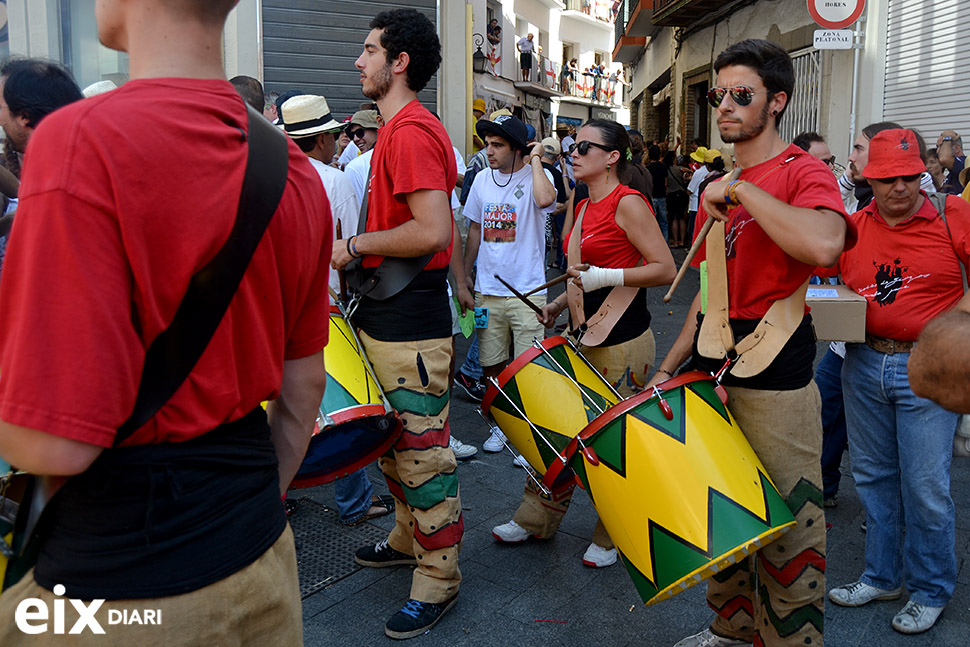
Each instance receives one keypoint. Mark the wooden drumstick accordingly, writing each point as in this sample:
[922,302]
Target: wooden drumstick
[520,296]
[341,275]
[698,241]
[555,281]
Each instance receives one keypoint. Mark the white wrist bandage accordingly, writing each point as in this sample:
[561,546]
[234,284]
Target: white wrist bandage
[600,277]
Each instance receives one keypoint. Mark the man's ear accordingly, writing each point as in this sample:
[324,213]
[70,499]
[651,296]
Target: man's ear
[400,64]
[778,102]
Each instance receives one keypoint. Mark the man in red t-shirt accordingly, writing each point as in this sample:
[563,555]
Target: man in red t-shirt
[407,333]
[184,519]
[783,217]
[907,264]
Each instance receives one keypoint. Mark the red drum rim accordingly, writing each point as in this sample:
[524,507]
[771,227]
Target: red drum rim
[622,408]
[356,413]
[517,365]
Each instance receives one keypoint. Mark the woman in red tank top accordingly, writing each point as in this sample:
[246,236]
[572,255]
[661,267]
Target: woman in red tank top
[622,245]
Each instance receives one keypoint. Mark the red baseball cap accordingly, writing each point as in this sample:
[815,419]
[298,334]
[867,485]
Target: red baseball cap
[893,153]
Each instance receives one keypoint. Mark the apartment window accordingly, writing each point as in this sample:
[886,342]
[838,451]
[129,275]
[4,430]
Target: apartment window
[803,108]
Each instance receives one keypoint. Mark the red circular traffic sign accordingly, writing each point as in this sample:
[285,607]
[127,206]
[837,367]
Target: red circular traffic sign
[836,14]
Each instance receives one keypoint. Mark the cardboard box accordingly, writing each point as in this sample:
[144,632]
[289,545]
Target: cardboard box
[838,313]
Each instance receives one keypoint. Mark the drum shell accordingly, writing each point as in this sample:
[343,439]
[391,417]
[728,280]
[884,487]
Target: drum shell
[539,393]
[354,427]
[681,498]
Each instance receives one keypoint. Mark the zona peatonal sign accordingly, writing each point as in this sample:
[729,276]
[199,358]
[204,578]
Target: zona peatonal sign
[836,14]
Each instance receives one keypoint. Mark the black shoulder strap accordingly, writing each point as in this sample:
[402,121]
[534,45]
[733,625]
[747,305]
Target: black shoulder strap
[938,200]
[392,275]
[174,353]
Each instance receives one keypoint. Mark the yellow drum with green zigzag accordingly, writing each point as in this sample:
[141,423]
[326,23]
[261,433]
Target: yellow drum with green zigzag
[677,485]
[544,397]
[355,426]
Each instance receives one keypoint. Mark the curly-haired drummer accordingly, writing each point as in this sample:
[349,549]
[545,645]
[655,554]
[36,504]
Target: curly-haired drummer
[407,333]
[775,224]
[615,248]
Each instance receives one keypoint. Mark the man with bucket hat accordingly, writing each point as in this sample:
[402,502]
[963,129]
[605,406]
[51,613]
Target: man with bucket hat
[907,264]
[506,209]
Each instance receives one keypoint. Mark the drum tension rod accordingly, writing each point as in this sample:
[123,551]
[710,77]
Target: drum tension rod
[582,393]
[664,405]
[524,417]
[591,367]
[528,472]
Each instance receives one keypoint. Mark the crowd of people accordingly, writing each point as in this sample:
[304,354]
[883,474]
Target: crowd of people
[141,254]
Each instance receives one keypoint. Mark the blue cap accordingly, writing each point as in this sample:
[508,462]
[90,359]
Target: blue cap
[530,132]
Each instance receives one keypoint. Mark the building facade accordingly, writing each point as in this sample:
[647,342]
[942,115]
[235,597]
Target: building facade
[905,67]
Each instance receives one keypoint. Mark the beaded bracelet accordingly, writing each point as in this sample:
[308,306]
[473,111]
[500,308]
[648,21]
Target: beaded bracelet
[731,193]
[663,370]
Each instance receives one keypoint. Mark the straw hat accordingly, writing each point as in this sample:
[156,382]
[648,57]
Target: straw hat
[305,115]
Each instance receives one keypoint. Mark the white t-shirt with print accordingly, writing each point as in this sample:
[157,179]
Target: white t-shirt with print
[513,238]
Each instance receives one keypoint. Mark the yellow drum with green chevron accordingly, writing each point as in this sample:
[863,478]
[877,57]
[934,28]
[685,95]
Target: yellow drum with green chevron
[355,425]
[546,396]
[677,485]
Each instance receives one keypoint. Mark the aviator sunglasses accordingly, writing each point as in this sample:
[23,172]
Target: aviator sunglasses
[741,95]
[583,147]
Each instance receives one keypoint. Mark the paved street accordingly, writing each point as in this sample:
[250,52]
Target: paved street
[539,592]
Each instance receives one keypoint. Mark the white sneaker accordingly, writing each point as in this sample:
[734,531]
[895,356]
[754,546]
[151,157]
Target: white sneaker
[916,618]
[510,533]
[708,638]
[598,557]
[495,442]
[519,461]
[462,451]
[859,593]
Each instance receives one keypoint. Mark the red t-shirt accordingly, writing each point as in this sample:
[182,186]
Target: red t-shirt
[909,273]
[603,242]
[759,272]
[413,152]
[124,197]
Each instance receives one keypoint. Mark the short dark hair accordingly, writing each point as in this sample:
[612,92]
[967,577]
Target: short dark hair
[251,90]
[409,30]
[307,144]
[653,153]
[805,140]
[872,130]
[769,60]
[636,143]
[34,88]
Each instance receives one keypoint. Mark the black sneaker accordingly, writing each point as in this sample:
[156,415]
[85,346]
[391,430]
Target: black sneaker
[470,386]
[380,555]
[416,618]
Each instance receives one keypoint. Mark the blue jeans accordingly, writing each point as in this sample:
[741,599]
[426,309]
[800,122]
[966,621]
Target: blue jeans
[472,367]
[901,448]
[828,377]
[660,208]
[353,494]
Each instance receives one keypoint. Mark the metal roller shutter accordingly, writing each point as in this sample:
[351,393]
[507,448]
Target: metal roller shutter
[928,66]
[312,45]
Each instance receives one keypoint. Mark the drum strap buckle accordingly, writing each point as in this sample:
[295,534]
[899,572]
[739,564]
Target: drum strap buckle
[730,359]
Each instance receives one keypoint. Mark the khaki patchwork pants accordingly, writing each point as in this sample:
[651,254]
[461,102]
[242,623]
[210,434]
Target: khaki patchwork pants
[420,467]
[776,597]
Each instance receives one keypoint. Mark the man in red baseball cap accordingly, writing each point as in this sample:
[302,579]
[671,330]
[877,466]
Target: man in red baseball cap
[906,263]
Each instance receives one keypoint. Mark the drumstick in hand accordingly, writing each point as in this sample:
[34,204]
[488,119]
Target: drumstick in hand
[698,241]
[520,296]
[555,281]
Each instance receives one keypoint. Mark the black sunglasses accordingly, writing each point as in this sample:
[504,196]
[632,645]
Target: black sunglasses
[356,133]
[830,161]
[583,147]
[741,95]
[892,180]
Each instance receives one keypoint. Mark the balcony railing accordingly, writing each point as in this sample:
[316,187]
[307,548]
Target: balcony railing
[599,9]
[598,89]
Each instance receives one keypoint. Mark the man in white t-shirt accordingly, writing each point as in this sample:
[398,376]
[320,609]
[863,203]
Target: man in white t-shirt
[506,209]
